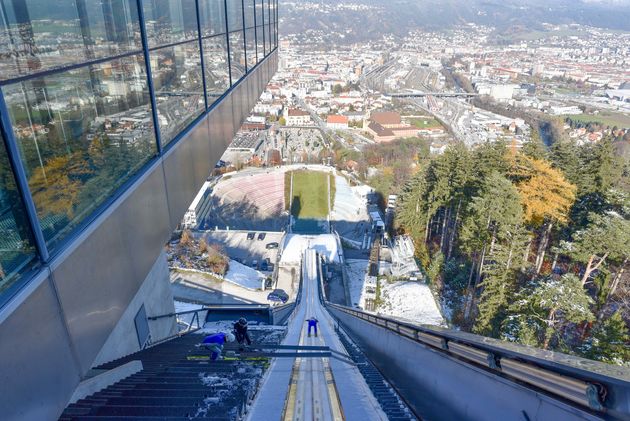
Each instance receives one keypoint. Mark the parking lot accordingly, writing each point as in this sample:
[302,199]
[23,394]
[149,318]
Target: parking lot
[244,250]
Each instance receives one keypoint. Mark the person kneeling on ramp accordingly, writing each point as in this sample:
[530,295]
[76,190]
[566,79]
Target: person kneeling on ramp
[215,343]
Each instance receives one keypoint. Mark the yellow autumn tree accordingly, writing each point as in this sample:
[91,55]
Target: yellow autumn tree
[546,196]
[56,187]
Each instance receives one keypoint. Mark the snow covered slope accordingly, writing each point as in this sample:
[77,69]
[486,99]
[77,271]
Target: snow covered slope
[410,300]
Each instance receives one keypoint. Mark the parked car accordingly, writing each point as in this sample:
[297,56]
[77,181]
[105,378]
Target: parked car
[278,295]
[270,246]
[255,264]
[264,265]
[251,235]
[261,236]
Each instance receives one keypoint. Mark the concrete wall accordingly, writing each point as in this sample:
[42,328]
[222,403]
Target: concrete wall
[155,293]
[53,330]
[440,387]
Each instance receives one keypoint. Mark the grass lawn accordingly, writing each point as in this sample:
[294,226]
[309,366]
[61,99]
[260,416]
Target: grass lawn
[604,117]
[310,194]
[423,123]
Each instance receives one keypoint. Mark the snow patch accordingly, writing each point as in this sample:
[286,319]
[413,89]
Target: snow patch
[295,245]
[356,271]
[244,276]
[410,300]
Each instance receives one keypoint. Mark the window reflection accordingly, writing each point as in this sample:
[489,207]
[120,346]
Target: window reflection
[38,35]
[235,14]
[260,42]
[176,73]
[212,16]
[82,133]
[169,21]
[215,60]
[267,39]
[260,16]
[250,43]
[17,252]
[249,13]
[275,35]
[237,56]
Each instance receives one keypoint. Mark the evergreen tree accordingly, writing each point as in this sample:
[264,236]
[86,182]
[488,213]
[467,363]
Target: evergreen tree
[534,147]
[566,156]
[609,342]
[607,237]
[499,282]
[493,215]
[544,307]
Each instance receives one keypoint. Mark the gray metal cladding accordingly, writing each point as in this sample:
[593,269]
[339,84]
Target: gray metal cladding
[179,173]
[38,372]
[99,277]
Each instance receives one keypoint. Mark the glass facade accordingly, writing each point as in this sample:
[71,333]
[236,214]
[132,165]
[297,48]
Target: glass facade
[17,251]
[237,55]
[81,134]
[92,91]
[216,67]
[39,35]
[170,21]
[260,17]
[235,14]
[250,47]
[178,85]
[212,17]
[249,13]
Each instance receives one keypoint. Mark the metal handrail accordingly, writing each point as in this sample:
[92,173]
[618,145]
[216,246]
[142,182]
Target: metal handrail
[587,388]
[194,325]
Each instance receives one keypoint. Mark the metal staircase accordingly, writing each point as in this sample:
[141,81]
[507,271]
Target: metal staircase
[178,382]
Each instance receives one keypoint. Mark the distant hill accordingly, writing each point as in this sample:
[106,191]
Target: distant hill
[399,16]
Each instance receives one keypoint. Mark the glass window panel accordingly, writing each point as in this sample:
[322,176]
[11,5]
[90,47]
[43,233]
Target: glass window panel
[235,15]
[39,35]
[178,87]
[216,67]
[260,43]
[250,43]
[260,17]
[237,56]
[266,5]
[17,252]
[275,35]
[212,17]
[82,133]
[169,21]
[249,13]
[267,39]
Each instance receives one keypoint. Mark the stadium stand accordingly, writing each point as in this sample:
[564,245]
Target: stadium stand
[245,201]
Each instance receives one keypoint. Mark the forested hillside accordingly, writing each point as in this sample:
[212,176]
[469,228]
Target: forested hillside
[528,245]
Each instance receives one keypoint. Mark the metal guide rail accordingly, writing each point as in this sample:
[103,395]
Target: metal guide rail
[588,389]
[295,351]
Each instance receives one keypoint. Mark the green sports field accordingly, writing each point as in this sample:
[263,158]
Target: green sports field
[310,194]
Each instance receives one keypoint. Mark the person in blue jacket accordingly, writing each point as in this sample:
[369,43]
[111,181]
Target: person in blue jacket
[312,324]
[215,343]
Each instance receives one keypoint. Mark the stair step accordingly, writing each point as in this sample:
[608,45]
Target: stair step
[136,410]
[144,418]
